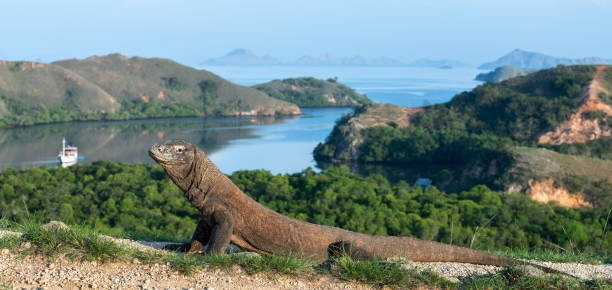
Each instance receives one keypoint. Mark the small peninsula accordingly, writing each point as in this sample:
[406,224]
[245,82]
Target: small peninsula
[312,92]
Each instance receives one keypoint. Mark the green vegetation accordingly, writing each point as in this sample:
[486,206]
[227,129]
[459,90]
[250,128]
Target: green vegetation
[110,197]
[140,201]
[517,110]
[115,87]
[476,133]
[607,86]
[311,92]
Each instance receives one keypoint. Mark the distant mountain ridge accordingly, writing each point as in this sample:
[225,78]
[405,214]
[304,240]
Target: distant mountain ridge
[243,56]
[246,57]
[442,63]
[533,60]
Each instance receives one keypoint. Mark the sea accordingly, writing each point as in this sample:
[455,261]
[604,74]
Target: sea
[278,145]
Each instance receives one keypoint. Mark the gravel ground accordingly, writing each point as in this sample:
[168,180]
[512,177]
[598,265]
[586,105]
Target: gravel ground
[36,272]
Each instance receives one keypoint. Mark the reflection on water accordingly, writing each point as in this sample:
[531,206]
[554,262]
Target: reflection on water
[276,144]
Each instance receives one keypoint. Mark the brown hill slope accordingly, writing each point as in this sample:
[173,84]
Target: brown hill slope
[117,87]
[163,80]
[50,86]
[591,121]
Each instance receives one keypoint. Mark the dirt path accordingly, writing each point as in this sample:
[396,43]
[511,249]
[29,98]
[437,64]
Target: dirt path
[578,129]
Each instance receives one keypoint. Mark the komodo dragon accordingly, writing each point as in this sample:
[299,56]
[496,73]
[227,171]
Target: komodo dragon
[229,215]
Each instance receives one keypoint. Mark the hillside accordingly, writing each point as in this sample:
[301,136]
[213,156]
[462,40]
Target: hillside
[476,133]
[117,87]
[49,92]
[533,60]
[502,73]
[311,92]
[153,80]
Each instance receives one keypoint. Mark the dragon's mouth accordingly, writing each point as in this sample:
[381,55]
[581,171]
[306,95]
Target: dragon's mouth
[158,154]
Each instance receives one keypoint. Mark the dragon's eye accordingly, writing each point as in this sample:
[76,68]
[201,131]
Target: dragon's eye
[180,149]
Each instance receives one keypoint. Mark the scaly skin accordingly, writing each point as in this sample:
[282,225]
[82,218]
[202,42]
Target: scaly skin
[229,215]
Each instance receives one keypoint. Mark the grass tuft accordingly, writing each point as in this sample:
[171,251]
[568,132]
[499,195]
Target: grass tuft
[514,278]
[95,248]
[185,263]
[5,286]
[8,242]
[381,273]
[558,256]
[286,265]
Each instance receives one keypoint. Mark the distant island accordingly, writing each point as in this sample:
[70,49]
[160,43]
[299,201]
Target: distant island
[442,63]
[533,60]
[247,57]
[243,56]
[503,73]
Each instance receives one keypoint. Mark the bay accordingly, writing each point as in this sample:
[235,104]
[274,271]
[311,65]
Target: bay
[280,145]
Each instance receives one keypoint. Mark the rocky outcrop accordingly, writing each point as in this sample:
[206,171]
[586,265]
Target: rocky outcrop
[374,116]
[545,192]
[580,129]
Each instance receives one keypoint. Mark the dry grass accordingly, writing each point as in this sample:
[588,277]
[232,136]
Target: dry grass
[546,163]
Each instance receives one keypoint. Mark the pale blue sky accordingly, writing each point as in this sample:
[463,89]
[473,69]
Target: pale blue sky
[191,31]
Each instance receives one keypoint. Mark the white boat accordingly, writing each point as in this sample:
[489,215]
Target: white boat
[69,154]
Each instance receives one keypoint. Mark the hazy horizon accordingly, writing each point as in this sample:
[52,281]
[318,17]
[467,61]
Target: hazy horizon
[190,31]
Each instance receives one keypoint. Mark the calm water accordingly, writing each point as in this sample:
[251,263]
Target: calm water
[279,145]
[404,86]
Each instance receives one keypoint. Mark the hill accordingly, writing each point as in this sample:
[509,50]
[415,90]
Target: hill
[533,60]
[567,109]
[311,92]
[502,73]
[151,80]
[117,87]
[31,91]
